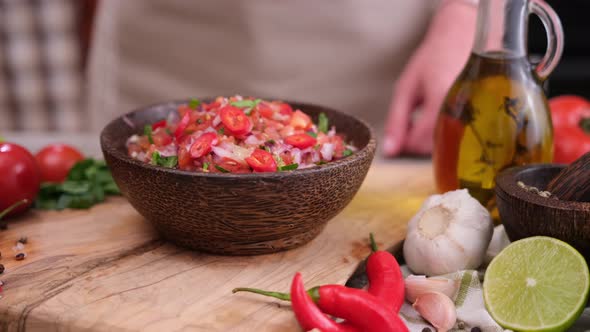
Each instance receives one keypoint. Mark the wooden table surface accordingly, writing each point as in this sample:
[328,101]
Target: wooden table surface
[105,269]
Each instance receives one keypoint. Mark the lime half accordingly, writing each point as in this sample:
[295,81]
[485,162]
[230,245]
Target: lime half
[536,284]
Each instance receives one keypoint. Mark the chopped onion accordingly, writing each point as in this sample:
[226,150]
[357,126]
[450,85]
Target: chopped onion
[327,151]
[296,153]
[279,117]
[216,120]
[253,140]
[232,151]
[168,150]
[132,139]
[209,130]
[332,132]
[315,157]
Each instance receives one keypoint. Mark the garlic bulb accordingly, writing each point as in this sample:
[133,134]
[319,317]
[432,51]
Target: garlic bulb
[451,232]
[437,309]
[418,285]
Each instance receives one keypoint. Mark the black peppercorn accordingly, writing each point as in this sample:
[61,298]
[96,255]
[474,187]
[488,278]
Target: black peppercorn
[20,256]
[476,329]
[23,240]
[1,268]
[426,329]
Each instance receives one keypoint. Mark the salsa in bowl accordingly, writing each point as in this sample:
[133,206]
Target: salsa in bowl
[237,213]
[239,135]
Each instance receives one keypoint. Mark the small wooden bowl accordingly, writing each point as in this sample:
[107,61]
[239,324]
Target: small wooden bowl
[526,214]
[237,214]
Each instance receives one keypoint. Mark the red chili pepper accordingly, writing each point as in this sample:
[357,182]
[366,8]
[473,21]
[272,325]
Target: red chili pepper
[308,314]
[159,124]
[386,281]
[179,132]
[357,307]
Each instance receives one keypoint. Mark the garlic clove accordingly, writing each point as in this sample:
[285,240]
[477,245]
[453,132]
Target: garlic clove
[437,309]
[418,285]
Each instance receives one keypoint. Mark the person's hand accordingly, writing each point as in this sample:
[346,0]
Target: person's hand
[427,77]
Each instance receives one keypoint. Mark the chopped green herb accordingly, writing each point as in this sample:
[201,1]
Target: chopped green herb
[87,184]
[199,121]
[264,147]
[312,134]
[221,131]
[168,131]
[194,103]
[316,147]
[248,111]
[157,159]
[288,167]
[323,122]
[205,166]
[271,141]
[147,130]
[279,160]
[320,163]
[221,169]
[347,152]
[246,103]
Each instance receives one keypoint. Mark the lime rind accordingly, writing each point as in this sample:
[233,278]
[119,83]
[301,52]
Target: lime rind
[553,308]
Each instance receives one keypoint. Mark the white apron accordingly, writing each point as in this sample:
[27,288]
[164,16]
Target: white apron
[345,54]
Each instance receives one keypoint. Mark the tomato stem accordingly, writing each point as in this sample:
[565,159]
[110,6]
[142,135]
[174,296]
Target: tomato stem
[585,125]
[374,247]
[12,207]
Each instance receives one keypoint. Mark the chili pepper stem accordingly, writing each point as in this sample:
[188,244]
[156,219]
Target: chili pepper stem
[313,292]
[374,247]
[12,207]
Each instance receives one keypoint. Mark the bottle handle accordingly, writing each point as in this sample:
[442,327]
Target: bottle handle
[555,37]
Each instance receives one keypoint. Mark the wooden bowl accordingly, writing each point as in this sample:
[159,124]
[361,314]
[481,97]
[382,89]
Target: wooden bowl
[526,214]
[237,214]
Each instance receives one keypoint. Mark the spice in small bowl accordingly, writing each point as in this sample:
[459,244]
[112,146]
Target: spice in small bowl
[535,190]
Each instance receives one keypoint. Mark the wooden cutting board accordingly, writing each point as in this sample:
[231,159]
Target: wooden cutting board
[106,270]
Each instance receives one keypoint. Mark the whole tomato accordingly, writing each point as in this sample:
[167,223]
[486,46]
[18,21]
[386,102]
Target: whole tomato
[571,123]
[56,160]
[19,177]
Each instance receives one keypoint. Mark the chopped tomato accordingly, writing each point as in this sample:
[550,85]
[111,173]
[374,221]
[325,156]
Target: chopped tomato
[285,109]
[300,120]
[301,141]
[159,124]
[262,161]
[203,145]
[183,109]
[161,137]
[184,158]
[234,120]
[179,132]
[265,110]
[230,166]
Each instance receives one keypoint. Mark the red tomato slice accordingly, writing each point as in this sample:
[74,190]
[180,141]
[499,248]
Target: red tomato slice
[184,158]
[203,144]
[262,161]
[300,120]
[235,120]
[159,124]
[301,141]
[179,132]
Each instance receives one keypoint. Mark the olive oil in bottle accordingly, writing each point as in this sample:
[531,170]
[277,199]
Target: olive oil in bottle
[495,115]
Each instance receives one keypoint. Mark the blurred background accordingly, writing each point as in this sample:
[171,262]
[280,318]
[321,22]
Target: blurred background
[44,47]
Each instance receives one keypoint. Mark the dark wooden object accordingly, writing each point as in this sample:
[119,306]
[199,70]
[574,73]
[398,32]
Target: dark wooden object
[573,182]
[526,214]
[237,214]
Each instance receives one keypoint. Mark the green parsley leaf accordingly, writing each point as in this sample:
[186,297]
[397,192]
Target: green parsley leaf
[246,103]
[347,152]
[312,134]
[271,141]
[221,169]
[170,162]
[194,103]
[205,166]
[221,131]
[87,184]
[323,122]
[147,130]
[264,147]
[320,163]
[288,167]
